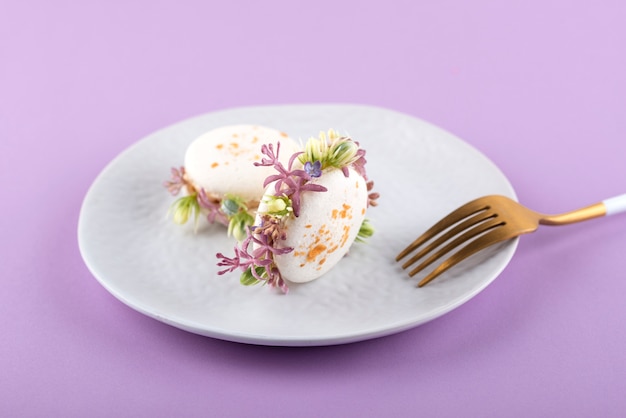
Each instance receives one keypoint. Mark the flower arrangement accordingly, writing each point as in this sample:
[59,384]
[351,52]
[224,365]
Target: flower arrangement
[230,210]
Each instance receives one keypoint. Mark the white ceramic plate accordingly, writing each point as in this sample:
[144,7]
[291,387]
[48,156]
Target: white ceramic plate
[169,273]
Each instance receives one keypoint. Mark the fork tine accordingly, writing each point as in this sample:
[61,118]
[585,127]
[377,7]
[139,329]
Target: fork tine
[453,217]
[469,234]
[490,238]
[475,219]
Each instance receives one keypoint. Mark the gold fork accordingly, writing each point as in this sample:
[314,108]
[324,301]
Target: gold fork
[486,221]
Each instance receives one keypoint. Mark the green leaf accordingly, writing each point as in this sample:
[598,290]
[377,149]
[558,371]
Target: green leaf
[366,231]
[247,279]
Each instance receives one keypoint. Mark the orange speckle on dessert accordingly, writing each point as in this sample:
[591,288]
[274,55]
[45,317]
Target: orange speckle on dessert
[332,249]
[315,251]
[344,212]
[255,139]
[234,144]
[219,146]
[308,226]
[214,165]
[284,135]
[356,185]
[322,261]
[334,214]
[344,237]
[363,211]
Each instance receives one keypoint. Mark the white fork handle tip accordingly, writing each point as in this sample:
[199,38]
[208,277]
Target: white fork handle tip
[615,204]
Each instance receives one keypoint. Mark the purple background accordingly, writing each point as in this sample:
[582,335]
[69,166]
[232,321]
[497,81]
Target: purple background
[540,88]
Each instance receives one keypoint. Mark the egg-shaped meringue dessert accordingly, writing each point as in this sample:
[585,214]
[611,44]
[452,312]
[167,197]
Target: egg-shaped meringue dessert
[219,178]
[312,211]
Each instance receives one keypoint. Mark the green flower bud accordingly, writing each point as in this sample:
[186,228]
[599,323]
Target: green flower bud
[185,207]
[276,205]
[230,207]
[342,153]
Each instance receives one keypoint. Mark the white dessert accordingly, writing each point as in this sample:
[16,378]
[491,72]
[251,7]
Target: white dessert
[312,211]
[221,176]
[326,228]
[221,161]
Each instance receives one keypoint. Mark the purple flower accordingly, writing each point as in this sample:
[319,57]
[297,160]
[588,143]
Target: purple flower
[313,169]
[294,194]
[213,206]
[177,181]
[359,164]
[268,150]
[290,182]
[265,246]
[231,264]
[260,262]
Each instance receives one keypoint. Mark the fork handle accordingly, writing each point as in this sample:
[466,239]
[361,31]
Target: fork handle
[607,207]
[615,204]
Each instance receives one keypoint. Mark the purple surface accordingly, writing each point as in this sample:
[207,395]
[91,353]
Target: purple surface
[540,89]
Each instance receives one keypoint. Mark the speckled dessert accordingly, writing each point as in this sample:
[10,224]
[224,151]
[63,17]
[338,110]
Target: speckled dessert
[312,211]
[219,178]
